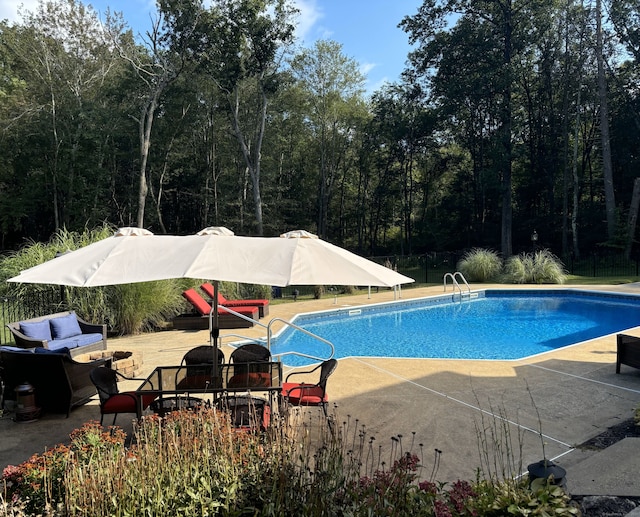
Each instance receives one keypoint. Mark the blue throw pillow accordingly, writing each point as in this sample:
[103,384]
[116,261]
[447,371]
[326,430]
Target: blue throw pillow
[65,326]
[36,329]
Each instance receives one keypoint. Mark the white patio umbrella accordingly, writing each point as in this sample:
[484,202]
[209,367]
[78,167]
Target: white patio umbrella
[134,255]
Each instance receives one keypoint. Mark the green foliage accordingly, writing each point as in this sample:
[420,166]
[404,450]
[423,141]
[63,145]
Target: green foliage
[143,306]
[636,415]
[318,291]
[480,265]
[517,498]
[255,291]
[541,267]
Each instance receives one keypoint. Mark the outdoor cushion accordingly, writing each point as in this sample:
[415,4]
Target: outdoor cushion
[65,327]
[8,348]
[36,329]
[126,402]
[301,394]
[250,380]
[74,341]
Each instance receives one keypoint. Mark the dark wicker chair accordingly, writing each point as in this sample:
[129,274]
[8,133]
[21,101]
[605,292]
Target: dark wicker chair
[251,367]
[306,394]
[628,351]
[112,400]
[198,368]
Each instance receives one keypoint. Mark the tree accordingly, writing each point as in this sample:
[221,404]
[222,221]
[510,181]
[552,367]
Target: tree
[62,47]
[500,28]
[240,43]
[164,57]
[607,169]
[333,87]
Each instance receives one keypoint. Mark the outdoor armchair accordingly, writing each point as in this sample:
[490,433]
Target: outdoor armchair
[306,394]
[112,400]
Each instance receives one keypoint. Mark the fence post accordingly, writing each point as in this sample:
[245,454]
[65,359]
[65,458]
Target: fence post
[426,269]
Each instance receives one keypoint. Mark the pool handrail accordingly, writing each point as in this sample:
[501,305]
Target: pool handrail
[304,331]
[241,316]
[267,341]
[455,283]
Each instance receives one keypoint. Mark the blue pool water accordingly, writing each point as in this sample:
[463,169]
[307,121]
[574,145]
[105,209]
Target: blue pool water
[494,324]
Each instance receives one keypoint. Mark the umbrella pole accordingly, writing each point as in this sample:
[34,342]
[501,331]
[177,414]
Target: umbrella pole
[214,327]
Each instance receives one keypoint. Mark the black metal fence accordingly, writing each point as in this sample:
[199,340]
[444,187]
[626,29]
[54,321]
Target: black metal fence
[17,309]
[431,268]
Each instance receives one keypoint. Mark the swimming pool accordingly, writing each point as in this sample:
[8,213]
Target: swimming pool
[491,324]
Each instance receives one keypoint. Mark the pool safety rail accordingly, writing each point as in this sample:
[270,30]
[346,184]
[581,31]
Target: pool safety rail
[455,285]
[266,341]
[304,331]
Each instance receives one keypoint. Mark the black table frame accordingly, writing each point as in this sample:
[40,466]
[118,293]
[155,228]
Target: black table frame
[168,382]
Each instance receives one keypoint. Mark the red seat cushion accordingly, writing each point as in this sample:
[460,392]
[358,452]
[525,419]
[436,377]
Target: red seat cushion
[250,380]
[249,311]
[304,394]
[197,301]
[192,382]
[126,402]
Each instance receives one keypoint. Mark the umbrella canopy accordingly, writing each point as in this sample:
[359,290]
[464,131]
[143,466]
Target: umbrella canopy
[134,255]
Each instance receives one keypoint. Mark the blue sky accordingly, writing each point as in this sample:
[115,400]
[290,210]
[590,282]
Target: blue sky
[367,29]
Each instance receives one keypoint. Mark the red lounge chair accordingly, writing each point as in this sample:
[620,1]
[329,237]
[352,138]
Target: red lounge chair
[263,305]
[226,319]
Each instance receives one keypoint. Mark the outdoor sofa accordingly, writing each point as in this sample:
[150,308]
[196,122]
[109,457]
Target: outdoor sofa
[62,330]
[60,383]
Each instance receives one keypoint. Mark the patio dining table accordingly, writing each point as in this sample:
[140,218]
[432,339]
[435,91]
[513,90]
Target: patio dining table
[176,385]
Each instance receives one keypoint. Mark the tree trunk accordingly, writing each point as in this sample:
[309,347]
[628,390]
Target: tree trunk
[633,217]
[607,169]
[252,162]
[145,124]
[507,209]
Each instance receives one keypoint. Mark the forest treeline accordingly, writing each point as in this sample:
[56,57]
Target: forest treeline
[511,116]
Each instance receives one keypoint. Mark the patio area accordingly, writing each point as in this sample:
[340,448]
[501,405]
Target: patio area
[548,405]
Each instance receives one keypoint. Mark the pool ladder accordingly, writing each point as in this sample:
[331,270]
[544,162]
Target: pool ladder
[456,285]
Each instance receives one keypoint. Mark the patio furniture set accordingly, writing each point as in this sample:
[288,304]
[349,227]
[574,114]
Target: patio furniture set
[248,386]
[44,358]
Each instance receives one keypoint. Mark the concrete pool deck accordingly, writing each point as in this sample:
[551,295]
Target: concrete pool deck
[546,405]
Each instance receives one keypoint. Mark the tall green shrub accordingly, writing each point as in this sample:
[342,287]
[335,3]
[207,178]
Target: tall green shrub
[480,265]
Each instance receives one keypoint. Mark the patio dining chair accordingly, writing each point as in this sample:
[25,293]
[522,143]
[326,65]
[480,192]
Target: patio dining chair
[196,370]
[112,400]
[308,394]
[251,368]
